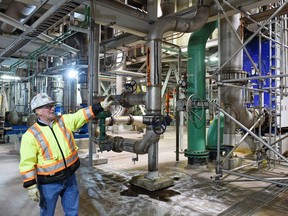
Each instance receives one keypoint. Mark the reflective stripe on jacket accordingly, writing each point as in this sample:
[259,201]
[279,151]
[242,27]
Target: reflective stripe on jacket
[46,150]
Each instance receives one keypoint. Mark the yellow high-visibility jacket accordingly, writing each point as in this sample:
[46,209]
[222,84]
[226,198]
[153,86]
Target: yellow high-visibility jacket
[49,152]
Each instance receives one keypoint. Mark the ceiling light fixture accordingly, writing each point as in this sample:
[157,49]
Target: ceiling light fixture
[9,77]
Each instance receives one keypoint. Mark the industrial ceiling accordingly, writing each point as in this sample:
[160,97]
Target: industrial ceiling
[35,34]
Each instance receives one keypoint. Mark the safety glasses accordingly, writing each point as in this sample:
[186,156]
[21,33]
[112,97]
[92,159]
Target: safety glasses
[48,106]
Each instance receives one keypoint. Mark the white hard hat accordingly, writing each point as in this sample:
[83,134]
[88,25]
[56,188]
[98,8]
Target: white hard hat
[39,100]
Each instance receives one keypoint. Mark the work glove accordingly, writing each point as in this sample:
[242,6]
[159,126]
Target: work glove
[107,102]
[33,193]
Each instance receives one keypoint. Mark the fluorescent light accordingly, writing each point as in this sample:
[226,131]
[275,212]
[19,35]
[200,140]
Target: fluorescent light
[72,73]
[213,58]
[184,49]
[9,77]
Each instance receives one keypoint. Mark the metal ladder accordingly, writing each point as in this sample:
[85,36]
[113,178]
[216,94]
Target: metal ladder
[277,34]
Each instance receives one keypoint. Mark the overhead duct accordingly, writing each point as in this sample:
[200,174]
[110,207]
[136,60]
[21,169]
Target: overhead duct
[18,11]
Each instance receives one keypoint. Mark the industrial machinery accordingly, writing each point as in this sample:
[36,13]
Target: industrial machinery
[217,68]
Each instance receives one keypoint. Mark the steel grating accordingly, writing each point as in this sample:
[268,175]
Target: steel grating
[251,204]
[27,36]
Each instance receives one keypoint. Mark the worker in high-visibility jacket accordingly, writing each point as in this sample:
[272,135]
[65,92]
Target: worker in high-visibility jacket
[48,155]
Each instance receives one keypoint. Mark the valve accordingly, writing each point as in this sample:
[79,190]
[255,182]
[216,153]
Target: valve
[181,104]
[106,145]
[158,122]
[131,87]
[159,125]
[102,116]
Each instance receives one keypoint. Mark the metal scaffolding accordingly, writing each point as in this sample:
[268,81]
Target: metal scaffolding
[272,27]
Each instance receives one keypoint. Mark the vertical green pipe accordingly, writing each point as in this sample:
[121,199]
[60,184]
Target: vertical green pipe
[196,150]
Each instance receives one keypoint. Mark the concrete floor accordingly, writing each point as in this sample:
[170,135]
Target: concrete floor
[105,189]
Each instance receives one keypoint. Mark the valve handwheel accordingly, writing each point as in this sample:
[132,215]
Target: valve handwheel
[159,124]
[131,87]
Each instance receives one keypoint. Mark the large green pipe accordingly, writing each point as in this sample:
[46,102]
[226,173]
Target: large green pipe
[212,136]
[196,151]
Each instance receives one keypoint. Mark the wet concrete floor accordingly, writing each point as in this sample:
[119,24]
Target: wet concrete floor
[105,189]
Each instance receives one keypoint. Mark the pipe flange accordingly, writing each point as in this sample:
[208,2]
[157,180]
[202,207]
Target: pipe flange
[131,120]
[196,154]
[233,74]
[111,123]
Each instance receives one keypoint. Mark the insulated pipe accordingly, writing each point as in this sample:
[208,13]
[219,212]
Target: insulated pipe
[227,37]
[178,24]
[196,150]
[129,120]
[232,98]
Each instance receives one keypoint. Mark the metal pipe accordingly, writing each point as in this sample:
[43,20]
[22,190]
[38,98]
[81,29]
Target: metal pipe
[282,138]
[196,150]
[149,144]
[154,66]
[251,37]
[235,33]
[242,139]
[129,120]
[242,87]
[171,23]
[255,178]
[243,166]
[232,100]
[140,146]
[177,122]
[136,99]
[218,78]
[179,115]
[126,72]
[212,136]
[251,133]
[255,78]
[93,71]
